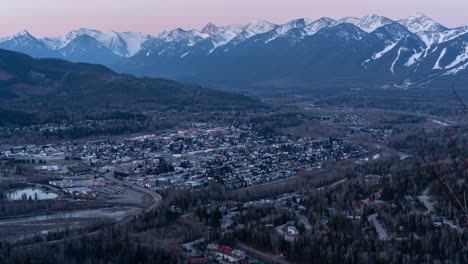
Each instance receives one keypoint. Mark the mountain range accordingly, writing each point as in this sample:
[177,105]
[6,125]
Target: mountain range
[353,52]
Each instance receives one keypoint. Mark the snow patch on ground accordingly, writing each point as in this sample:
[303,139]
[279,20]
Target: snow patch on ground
[437,64]
[459,59]
[414,58]
[456,70]
[425,201]
[379,54]
[383,235]
[392,68]
[440,122]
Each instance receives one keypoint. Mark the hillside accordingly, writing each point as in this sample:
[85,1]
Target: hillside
[48,85]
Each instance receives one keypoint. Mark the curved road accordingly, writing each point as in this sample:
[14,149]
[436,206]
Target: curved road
[156,197]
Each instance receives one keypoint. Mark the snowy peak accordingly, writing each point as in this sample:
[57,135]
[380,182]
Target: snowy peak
[21,39]
[252,29]
[134,41]
[285,28]
[258,27]
[349,20]
[421,23]
[22,35]
[179,35]
[123,44]
[317,25]
[210,29]
[372,22]
[298,23]
[368,23]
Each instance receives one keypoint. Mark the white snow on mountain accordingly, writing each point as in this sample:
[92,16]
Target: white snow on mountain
[350,20]
[22,39]
[180,35]
[431,38]
[180,43]
[220,36]
[235,34]
[368,23]
[421,23]
[414,58]
[379,54]
[457,70]
[392,68]
[460,58]
[285,28]
[431,32]
[22,34]
[210,29]
[56,43]
[257,27]
[123,44]
[372,22]
[317,25]
[252,29]
[134,40]
[437,64]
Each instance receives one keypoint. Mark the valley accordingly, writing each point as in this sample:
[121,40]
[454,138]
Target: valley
[310,141]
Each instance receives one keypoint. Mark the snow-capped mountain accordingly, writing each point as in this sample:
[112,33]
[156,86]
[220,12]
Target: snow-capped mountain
[191,37]
[220,36]
[421,23]
[368,23]
[372,22]
[252,29]
[134,41]
[371,49]
[24,42]
[285,28]
[124,44]
[317,25]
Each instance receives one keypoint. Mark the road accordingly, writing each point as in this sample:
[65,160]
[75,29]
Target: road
[424,198]
[303,219]
[156,197]
[383,235]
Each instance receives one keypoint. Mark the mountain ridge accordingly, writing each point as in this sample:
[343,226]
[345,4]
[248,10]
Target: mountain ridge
[204,56]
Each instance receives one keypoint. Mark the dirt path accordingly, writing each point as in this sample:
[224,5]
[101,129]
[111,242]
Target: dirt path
[267,257]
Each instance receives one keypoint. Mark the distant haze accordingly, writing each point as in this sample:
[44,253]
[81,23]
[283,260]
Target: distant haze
[56,17]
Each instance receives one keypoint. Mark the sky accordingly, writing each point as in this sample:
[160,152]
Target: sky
[57,17]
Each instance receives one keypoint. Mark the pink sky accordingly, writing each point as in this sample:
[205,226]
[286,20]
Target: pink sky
[56,17]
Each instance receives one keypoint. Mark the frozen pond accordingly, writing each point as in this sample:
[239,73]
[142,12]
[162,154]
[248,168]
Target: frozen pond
[30,194]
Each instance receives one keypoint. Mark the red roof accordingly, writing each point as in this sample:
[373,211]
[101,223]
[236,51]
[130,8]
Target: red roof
[200,260]
[226,248]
